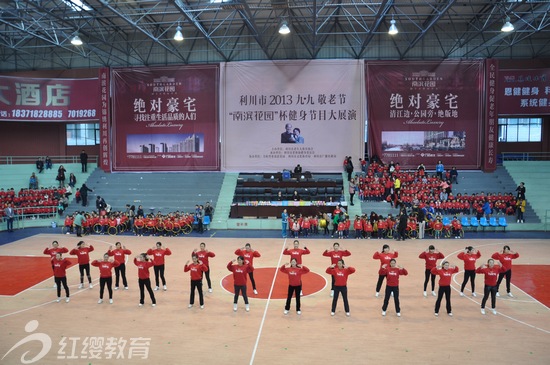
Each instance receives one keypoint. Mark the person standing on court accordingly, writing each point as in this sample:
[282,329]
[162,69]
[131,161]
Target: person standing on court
[84,161]
[105,276]
[60,265]
[284,223]
[9,214]
[294,272]
[158,254]
[340,272]
[445,273]
[196,269]
[53,251]
[385,256]
[119,254]
[469,256]
[82,251]
[335,254]
[203,255]
[248,253]
[431,255]
[392,273]
[240,269]
[505,257]
[78,220]
[143,264]
[491,272]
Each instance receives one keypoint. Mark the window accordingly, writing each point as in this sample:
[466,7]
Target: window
[83,134]
[520,129]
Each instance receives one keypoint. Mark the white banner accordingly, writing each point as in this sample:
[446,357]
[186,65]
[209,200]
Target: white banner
[278,114]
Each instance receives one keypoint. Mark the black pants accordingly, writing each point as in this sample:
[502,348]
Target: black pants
[120,270]
[84,166]
[196,284]
[251,275]
[427,275]
[447,291]
[159,271]
[486,291]
[508,275]
[337,291]
[9,224]
[84,199]
[293,290]
[58,282]
[379,283]
[469,275]
[145,283]
[395,291]
[84,268]
[106,281]
[242,289]
[78,230]
[207,275]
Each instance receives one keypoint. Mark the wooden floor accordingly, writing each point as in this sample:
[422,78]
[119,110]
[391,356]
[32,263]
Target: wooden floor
[170,333]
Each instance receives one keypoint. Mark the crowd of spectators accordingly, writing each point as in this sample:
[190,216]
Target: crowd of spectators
[36,202]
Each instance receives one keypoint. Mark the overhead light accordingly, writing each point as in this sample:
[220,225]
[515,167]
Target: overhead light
[507,27]
[393,29]
[179,35]
[284,29]
[76,41]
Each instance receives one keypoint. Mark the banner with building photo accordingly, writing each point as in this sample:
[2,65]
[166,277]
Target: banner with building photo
[166,118]
[278,114]
[524,92]
[423,112]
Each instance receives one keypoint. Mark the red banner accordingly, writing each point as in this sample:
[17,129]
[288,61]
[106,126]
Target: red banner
[423,112]
[46,100]
[104,122]
[491,117]
[166,119]
[524,92]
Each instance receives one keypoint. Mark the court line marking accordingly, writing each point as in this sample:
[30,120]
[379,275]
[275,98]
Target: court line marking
[267,304]
[499,312]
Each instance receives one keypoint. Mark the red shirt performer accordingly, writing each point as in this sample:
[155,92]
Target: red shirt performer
[143,264]
[445,273]
[505,257]
[392,273]
[196,268]
[469,256]
[340,273]
[294,272]
[105,276]
[431,255]
[82,251]
[158,254]
[240,270]
[335,253]
[203,254]
[248,253]
[59,265]
[54,250]
[385,256]
[491,272]
[119,254]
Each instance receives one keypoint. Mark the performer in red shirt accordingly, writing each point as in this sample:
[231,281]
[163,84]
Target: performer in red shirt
[491,272]
[59,265]
[54,250]
[248,253]
[294,272]
[158,254]
[82,251]
[340,273]
[505,257]
[335,254]
[296,252]
[385,256]
[119,254]
[105,276]
[431,255]
[392,273]
[143,264]
[469,256]
[445,273]
[196,268]
[203,254]
[240,271]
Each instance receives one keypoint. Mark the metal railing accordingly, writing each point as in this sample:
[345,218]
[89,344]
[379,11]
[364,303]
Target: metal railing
[22,220]
[546,220]
[523,156]
[15,160]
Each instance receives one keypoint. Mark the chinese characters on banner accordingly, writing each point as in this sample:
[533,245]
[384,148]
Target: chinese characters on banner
[423,112]
[104,122]
[47,100]
[283,113]
[491,116]
[524,92]
[166,118]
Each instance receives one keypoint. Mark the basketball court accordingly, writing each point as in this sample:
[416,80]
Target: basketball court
[37,329]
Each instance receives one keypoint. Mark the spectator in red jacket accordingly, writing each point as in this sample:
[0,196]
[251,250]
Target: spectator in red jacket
[491,272]
[158,254]
[445,273]
[59,265]
[340,272]
[196,269]
[119,254]
[431,255]
[335,254]
[144,264]
[82,251]
[469,256]
[203,254]
[294,272]
[105,276]
[392,273]
[505,257]
[240,271]
[248,253]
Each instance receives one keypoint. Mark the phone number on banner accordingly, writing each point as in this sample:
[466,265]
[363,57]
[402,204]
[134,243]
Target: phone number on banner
[50,113]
